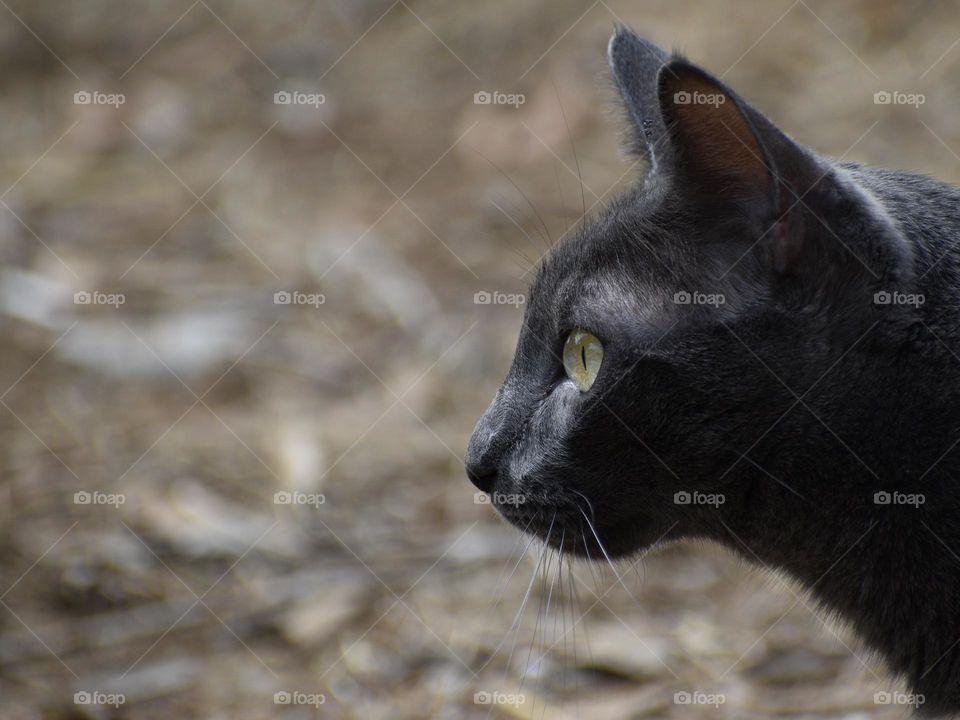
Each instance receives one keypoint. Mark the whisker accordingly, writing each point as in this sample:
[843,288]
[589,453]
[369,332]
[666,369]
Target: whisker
[591,566]
[519,227]
[557,582]
[540,613]
[577,618]
[605,553]
[523,606]
[506,635]
[573,147]
[522,194]
[563,202]
[523,554]
[587,501]
[565,629]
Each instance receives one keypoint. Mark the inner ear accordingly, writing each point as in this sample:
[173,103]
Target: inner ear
[718,149]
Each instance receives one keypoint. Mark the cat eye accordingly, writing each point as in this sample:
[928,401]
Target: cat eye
[582,356]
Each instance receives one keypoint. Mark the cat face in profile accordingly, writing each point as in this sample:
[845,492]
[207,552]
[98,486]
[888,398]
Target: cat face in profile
[756,346]
[718,257]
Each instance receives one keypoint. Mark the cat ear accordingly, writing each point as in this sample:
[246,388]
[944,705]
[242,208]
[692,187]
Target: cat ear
[718,148]
[635,65]
[728,157]
[723,156]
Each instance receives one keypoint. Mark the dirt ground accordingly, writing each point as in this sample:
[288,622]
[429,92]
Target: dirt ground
[213,493]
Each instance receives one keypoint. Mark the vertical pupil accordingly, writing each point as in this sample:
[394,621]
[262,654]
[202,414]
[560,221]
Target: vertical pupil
[583,356]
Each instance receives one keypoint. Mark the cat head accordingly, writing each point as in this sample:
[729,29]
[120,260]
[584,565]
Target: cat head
[740,249]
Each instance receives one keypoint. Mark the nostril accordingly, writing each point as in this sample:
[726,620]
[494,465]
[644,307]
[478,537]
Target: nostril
[483,478]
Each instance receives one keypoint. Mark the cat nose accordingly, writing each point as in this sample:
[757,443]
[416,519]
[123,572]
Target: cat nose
[484,478]
[482,458]
[490,441]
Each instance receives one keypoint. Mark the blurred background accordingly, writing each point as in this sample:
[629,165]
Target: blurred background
[262,270]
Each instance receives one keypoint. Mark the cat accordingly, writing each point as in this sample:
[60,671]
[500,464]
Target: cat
[756,346]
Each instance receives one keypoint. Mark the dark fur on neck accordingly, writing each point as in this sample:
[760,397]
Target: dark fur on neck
[825,383]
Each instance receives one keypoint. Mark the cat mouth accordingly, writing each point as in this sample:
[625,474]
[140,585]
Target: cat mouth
[563,526]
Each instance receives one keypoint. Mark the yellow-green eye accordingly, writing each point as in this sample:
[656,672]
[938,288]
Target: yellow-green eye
[582,356]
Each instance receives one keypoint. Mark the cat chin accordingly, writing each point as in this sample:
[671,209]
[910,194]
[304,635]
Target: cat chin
[569,532]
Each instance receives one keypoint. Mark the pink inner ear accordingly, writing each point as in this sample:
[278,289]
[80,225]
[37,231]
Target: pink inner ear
[715,140]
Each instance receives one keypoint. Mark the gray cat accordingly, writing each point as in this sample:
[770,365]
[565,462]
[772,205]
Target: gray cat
[755,346]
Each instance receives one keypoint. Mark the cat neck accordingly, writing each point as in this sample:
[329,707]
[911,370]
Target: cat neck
[888,565]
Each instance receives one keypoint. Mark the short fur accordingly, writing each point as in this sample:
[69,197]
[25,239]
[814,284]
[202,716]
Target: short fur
[799,398]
